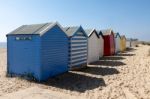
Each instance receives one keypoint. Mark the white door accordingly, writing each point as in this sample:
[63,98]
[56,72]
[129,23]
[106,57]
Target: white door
[93,48]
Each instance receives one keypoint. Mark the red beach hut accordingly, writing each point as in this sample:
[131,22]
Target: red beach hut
[109,42]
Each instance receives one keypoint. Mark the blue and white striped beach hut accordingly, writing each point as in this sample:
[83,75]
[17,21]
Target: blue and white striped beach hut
[78,47]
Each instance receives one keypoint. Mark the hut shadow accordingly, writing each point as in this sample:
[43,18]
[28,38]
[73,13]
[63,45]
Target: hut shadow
[100,71]
[130,49]
[108,63]
[112,58]
[122,54]
[75,82]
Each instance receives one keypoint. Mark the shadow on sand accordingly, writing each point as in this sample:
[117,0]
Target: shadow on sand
[75,82]
[100,70]
[122,54]
[108,63]
[112,58]
[130,49]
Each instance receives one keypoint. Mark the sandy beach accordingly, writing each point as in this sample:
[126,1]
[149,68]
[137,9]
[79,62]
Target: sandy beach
[123,76]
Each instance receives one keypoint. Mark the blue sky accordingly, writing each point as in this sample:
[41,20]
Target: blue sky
[129,17]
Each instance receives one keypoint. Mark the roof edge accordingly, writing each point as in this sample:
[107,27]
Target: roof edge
[93,31]
[51,26]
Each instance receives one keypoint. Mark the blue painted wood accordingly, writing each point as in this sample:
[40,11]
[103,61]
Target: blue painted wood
[77,50]
[78,46]
[78,42]
[75,46]
[23,55]
[78,38]
[79,61]
[83,56]
[42,57]
[54,53]
[78,54]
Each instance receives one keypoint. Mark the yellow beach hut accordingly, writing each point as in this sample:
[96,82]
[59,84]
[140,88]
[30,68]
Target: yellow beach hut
[123,43]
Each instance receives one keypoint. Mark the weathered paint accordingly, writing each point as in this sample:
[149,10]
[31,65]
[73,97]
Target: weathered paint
[117,43]
[78,49]
[123,43]
[93,48]
[54,53]
[23,55]
[101,50]
[109,45]
[42,57]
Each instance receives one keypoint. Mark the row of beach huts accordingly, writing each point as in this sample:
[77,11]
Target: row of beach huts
[46,50]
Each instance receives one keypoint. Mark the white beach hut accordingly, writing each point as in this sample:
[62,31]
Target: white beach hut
[93,45]
[117,42]
[101,40]
[128,43]
[134,42]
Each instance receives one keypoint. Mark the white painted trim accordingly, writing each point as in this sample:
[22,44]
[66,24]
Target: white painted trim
[78,40]
[78,63]
[78,48]
[82,44]
[78,59]
[78,55]
[78,52]
[79,37]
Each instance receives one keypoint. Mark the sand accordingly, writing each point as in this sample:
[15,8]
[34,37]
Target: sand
[38,93]
[123,76]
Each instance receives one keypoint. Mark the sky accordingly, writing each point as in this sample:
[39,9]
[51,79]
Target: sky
[128,17]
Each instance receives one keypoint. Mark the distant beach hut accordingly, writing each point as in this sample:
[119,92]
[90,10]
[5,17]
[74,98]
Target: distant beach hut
[128,42]
[78,47]
[93,45]
[134,42]
[109,42]
[38,50]
[123,43]
[101,44]
[117,42]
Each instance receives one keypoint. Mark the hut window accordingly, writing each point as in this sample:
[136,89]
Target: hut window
[23,38]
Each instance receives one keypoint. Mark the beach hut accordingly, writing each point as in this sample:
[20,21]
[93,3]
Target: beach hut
[93,45]
[134,42]
[117,42]
[109,42]
[128,42]
[78,47]
[101,39]
[123,43]
[37,50]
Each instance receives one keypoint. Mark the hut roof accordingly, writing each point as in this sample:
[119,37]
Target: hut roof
[106,31]
[71,30]
[123,36]
[99,33]
[89,32]
[34,28]
[117,34]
